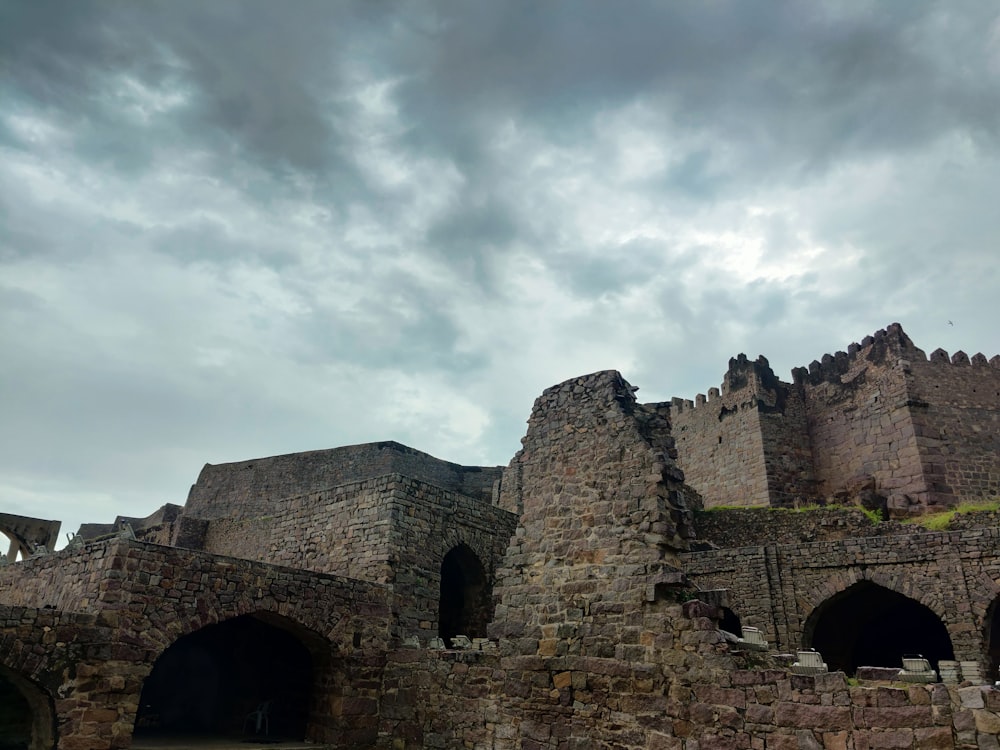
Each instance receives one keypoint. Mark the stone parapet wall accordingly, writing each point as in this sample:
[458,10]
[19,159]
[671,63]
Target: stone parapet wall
[390,529]
[751,527]
[956,404]
[68,580]
[777,587]
[681,701]
[251,488]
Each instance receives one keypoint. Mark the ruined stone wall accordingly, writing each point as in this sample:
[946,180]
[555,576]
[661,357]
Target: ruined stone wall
[860,423]
[442,699]
[67,581]
[956,407]
[752,527]
[720,447]
[601,516]
[745,446]
[777,588]
[145,597]
[391,529]
[447,699]
[249,488]
[344,530]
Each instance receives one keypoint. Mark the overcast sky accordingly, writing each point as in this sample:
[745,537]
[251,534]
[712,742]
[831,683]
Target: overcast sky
[231,230]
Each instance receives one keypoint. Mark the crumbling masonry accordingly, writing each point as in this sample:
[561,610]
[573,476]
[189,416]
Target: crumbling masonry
[374,596]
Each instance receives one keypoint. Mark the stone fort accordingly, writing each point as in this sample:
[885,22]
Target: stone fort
[638,576]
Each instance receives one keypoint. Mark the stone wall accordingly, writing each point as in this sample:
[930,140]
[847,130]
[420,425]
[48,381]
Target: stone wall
[145,597]
[860,421]
[602,516]
[390,529]
[449,699]
[752,527]
[778,587]
[955,407]
[719,441]
[879,424]
[250,488]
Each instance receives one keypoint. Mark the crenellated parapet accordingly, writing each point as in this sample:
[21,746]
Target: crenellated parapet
[879,422]
[886,345]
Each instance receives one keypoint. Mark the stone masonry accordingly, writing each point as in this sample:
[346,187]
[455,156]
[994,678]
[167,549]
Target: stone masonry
[593,585]
[880,422]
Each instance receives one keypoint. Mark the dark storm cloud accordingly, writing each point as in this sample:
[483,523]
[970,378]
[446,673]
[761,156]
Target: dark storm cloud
[239,228]
[257,82]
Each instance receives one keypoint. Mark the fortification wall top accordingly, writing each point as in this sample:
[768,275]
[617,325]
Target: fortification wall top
[753,527]
[250,488]
[743,378]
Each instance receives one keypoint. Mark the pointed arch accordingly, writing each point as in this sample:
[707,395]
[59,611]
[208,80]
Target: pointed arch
[867,624]
[212,679]
[27,713]
[465,605]
[991,637]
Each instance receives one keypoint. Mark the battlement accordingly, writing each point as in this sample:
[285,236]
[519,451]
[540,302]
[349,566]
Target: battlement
[871,420]
[743,375]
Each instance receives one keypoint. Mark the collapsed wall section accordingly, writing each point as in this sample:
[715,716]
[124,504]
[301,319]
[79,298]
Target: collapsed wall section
[602,516]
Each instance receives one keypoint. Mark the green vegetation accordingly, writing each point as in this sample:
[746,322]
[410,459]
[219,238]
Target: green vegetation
[941,521]
[873,515]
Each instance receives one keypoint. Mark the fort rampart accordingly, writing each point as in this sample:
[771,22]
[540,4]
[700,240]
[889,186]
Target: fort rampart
[339,584]
[880,423]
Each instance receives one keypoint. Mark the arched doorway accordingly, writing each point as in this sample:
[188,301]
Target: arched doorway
[27,721]
[218,681]
[870,625]
[992,636]
[730,622]
[466,600]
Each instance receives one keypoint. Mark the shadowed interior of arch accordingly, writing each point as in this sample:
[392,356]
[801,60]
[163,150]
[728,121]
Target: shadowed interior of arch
[209,682]
[870,625]
[730,622]
[465,603]
[993,639]
[26,715]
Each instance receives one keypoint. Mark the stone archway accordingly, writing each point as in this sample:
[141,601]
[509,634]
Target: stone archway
[212,681]
[27,719]
[731,622]
[869,625]
[465,603]
[992,640]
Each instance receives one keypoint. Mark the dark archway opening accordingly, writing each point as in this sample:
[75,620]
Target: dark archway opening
[730,622]
[993,640]
[465,603]
[27,721]
[211,682]
[870,625]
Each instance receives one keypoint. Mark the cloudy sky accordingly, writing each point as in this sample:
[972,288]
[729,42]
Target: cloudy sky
[231,230]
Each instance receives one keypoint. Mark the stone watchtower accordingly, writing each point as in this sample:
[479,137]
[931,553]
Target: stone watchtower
[879,424]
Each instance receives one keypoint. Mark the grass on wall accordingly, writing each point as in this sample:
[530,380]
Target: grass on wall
[941,521]
[873,515]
